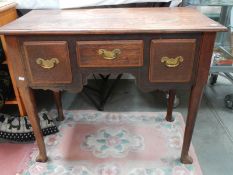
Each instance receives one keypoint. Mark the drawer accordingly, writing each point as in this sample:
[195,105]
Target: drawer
[117,53]
[47,61]
[172,60]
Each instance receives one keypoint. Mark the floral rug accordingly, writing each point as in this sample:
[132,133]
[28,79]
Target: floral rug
[103,143]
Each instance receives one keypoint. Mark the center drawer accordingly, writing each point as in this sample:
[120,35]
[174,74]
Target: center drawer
[116,53]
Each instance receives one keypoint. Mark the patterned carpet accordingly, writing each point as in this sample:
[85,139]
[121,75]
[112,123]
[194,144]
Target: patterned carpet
[11,155]
[102,143]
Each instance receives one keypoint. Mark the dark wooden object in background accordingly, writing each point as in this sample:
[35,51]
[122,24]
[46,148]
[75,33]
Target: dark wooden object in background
[176,41]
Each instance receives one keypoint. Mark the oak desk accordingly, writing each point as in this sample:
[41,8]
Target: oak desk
[164,48]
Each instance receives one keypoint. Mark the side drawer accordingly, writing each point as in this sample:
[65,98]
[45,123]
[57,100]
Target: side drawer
[117,53]
[48,62]
[172,60]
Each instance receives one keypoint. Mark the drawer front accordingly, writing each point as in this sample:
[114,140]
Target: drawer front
[110,53]
[172,60]
[48,62]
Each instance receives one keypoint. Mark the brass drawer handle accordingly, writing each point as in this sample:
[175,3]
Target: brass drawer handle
[172,62]
[109,55]
[47,63]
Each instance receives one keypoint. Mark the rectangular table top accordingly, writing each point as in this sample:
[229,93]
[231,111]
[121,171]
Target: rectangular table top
[112,20]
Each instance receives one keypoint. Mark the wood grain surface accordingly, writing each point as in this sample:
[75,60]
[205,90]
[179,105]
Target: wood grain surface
[61,73]
[112,20]
[172,48]
[131,53]
[5,5]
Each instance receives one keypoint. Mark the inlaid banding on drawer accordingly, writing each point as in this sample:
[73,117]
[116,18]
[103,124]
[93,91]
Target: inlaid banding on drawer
[47,62]
[172,60]
[117,53]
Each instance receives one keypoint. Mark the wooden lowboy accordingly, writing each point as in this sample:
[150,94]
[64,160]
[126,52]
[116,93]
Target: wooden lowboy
[164,48]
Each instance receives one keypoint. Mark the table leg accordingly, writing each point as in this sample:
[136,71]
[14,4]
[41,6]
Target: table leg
[171,98]
[57,98]
[194,101]
[29,100]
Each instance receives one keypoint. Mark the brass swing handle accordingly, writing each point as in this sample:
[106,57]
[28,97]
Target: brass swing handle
[172,62]
[47,63]
[109,55]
